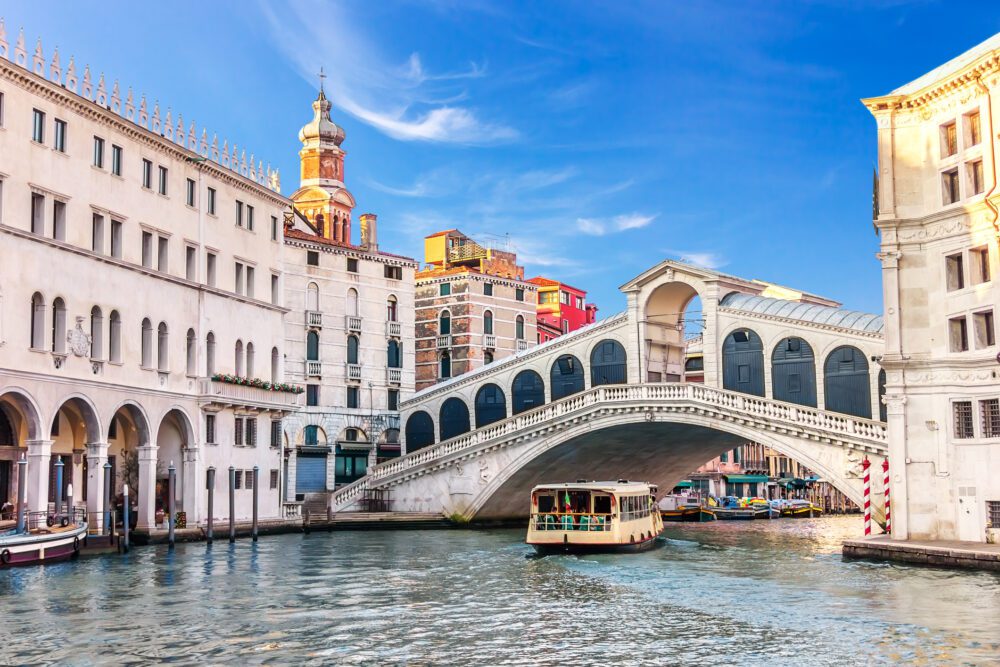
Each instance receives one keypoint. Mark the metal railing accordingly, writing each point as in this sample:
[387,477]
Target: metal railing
[46,519]
[314,318]
[353,323]
[394,329]
[567,521]
[444,341]
[314,368]
[353,371]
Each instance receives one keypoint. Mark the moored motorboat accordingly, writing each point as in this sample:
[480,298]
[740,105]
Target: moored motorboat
[684,507]
[44,538]
[593,517]
[799,509]
[734,509]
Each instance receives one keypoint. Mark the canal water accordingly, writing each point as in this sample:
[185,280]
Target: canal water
[748,593]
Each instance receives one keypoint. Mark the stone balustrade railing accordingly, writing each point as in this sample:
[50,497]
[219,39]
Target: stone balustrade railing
[733,404]
[238,394]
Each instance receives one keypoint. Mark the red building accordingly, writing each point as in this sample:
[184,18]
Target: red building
[561,308]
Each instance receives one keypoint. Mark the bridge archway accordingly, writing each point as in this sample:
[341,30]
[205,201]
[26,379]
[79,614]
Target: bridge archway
[608,363]
[672,313]
[527,391]
[419,431]
[793,372]
[847,383]
[454,418]
[566,377]
[743,362]
[491,405]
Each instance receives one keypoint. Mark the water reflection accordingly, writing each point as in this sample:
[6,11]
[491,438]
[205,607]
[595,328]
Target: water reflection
[746,593]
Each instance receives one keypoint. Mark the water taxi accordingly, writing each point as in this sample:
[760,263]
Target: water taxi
[43,538]
[684,507]
[593,517]
[799,509]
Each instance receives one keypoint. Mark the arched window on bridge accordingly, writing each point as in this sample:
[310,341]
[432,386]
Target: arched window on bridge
[454,418]
[793,372]
[847,382]
[419,431]
[881,395]
[743,362]
[491,405]
[607,364]
[528,391]
[566,377]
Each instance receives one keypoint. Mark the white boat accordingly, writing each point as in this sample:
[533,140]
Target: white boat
[593,517]
[44,538]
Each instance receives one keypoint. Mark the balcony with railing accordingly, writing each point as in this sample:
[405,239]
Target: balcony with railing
[394,375]
[314,368]
[490,341]
[314,319]
[353,323]
[444,342]
[466,251]
[229,394]
[394,329]
[523,345]
[353,371]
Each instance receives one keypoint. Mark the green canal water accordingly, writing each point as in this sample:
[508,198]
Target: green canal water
[749,593]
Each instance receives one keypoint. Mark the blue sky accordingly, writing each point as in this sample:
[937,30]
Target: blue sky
[597,139]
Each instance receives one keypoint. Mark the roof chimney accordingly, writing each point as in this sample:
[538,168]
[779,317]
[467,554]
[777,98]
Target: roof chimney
[369,232]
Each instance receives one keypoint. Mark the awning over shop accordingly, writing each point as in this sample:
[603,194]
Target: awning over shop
[796,482]
[747,479]
[685,484]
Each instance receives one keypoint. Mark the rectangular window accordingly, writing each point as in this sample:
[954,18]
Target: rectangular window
[392,400]
[116,238]
[191,187]
[312,394]
[1,109]
[116,160]
[99,152]
[37,213]
[993,512]
[161,254]
[949,186]
[312,258]
[59,220]
[210,429]
[519,294]
[238,281]
[445,289]
[59,140]
[163,181]
[963,420]
[352,397]
[238,479]
[147,250]
[275,293]
[394,272]
[958,334]
[210,269]
[955,272]
[38,127]
[989,411]
[250,424]
[979,265]
[274,228]
[190,262]
[973,132]
[248,476]
[239,213]
[564,298]
[251,281]
[975,177]
[274,479]
[983,330]
[250,217]
[97,235]
[275,433]
[238,431]
[352,265]
[211,201]
[579,303]
[147,174]
[488,289]
[949,139]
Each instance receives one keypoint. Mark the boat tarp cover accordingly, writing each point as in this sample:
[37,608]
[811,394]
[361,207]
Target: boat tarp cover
[686,484]
[747,479]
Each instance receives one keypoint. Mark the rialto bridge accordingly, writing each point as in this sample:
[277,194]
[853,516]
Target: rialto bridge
[633,396]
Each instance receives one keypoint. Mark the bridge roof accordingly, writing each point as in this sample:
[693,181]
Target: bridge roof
[804,312]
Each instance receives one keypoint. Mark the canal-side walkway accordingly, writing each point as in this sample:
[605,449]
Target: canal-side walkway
[944,553]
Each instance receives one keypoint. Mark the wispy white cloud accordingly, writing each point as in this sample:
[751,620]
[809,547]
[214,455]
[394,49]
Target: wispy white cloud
[708,259]
[632,221]
[403,101]
[431,184]
[619,223]
[590,226]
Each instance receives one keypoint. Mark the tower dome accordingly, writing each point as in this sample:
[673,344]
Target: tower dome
[321,129]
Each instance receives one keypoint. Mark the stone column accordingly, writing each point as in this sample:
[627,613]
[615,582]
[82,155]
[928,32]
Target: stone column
[76,475]
[194,491]
[898,470]
[39,456]
[147,487]
[97,456]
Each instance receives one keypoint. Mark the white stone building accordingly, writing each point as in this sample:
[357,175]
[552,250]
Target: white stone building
[938,220]
[139,259]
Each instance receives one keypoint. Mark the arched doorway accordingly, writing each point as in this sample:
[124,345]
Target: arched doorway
[566,377]
[743,362]
[793,372]
[847,382]
[19,422]
[419,431]
[454,418]
[608,364]
[491,405]
[74,424]
[174,437]
[527,392]
[127,432]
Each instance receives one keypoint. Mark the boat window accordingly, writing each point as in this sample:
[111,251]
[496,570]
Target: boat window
[602,504]
[546,503]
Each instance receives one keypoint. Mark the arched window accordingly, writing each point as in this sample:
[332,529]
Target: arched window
[419,431]
[352,350]
[793,372]
[528,391]
[210,354]
[146,357]
[250,361]
[847,382]
[238,362]
[488,322]
[487,357]
[491,405]
[352,302]
[275,365]
[312,297]
[162,347]
[607,363]
[743,362]
[444,368]
[566,377]
[37,321]
[519,328]
[391,307]
[96,333]
[115,337]
[58,325]
[192,356]
[454,418]
[312,346]
[395,354]
[444,323]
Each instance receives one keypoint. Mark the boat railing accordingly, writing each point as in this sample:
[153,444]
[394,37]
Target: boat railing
[45,519]
[550,521]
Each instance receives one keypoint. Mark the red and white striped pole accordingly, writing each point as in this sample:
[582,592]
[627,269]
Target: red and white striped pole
[885,487]
[866,464]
